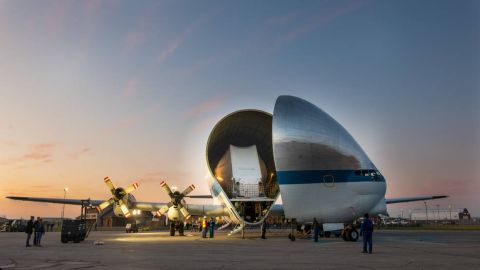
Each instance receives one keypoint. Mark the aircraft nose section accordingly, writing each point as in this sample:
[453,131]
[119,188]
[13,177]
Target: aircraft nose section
[307,138]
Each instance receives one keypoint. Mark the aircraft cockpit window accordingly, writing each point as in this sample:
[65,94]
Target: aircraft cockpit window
[365,172]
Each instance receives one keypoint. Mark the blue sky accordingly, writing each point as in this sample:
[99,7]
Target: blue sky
[131,89]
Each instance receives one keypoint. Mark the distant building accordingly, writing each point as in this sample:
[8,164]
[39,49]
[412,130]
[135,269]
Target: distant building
[434,214]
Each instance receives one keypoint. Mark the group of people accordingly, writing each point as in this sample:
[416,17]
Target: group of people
[366,231]
[37,228]
[210,225]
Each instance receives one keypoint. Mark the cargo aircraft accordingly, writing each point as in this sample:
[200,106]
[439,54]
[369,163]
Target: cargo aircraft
[300,152]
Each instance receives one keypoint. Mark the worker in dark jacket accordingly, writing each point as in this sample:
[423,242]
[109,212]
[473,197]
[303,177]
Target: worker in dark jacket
[316,229]
[29,230]
[38,227]
[211,226]
[264,228]
[366,230]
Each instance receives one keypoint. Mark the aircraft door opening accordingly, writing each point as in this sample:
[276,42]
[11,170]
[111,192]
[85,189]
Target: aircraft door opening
[329,181]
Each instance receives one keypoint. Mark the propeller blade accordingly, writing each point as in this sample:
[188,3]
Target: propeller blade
[165,187]
[104,204]
[109,184]
[164,209]
[188,190]
[125,211]
[131,188]
[185,212]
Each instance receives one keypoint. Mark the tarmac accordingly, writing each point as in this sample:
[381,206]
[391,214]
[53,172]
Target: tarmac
[157,250]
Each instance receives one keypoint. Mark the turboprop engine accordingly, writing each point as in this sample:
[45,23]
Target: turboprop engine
[121,198]
[241,164]
[176,207]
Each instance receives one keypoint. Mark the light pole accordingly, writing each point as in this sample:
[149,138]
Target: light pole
[64,197]
[450,210]
[438,211]
[426,211]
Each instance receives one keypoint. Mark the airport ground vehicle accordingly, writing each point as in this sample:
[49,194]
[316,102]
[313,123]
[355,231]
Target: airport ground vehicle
[131,228]
[76,230]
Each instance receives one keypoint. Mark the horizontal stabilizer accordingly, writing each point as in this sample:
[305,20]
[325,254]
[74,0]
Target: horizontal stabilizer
[199,196]
[258,199]
[414,199]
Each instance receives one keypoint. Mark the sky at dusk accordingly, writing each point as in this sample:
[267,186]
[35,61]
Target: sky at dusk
[132,89]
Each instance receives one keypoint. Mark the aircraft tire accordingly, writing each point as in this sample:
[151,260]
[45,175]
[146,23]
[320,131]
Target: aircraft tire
[291,237]
[327,234]
[353,235]
[64,239]
[172,229]
[180,229]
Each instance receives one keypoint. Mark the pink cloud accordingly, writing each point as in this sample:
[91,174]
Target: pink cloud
[143,29]
[40,152]
[180,39]
[134,40]
[174,44]
[55,17]
[131,87]
[205,107]
[319,20]
[138,119]
[206,123]
[80,153]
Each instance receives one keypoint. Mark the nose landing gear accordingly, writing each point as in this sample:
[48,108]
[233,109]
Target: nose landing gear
[350,233]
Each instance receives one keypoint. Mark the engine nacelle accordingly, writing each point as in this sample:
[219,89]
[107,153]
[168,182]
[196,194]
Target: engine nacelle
[240,161]
[128,201]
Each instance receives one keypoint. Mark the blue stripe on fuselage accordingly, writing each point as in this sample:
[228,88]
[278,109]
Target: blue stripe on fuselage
[318,176]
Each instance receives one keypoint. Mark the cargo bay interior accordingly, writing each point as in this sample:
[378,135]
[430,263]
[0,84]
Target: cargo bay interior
[240,156]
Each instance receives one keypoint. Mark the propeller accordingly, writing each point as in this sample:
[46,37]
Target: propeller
[117,196]
[176,200]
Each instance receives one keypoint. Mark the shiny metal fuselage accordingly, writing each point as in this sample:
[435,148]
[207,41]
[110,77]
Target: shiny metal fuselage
[322,171]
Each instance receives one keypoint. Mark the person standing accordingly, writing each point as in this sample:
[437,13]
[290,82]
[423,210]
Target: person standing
[42,232]
[316,229]
[366,230]
[264,228]
[35,225]
[211,225]
[29,230]
[204,227]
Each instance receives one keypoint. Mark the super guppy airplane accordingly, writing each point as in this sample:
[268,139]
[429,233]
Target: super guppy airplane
[300,152]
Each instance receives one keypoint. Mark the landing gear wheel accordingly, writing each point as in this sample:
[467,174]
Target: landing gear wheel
[64,239]
[353,235]
[180,229]
[326,234]
[172,229]
[291,237]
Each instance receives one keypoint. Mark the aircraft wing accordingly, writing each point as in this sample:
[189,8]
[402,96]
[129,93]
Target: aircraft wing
[210,210]
[55,200]
[413,199]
